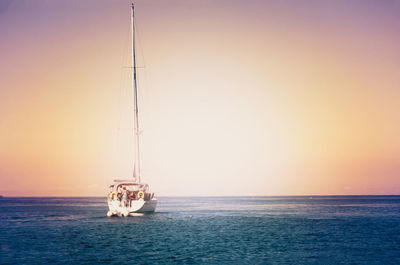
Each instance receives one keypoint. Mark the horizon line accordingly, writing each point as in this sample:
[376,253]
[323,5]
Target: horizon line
[203,196]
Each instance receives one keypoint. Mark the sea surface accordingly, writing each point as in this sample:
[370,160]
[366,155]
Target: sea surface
[203,230]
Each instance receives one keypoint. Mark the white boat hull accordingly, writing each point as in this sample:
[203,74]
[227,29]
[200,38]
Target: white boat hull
[136,206]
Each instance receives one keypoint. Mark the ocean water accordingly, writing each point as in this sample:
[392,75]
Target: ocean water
[203,230]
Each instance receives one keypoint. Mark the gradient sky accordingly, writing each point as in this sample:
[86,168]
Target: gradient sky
[295,97]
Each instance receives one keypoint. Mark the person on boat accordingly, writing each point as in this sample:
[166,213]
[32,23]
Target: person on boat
[125,197]
[112,195]
[128,197]
[119,196]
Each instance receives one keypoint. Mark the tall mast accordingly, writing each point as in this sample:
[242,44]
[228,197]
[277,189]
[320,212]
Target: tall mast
[136,167]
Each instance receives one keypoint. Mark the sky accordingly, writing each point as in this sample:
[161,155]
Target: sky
[294,97]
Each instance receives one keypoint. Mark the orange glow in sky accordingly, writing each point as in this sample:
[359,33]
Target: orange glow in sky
[236,97]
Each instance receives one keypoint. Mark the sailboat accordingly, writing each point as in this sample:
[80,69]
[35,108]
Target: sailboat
[132,196]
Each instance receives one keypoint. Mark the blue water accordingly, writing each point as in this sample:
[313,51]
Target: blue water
[211,230]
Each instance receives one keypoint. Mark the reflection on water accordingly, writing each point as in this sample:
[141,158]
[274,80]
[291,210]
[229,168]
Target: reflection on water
[261,230]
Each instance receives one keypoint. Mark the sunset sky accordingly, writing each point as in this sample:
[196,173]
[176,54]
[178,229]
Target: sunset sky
[255,97]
